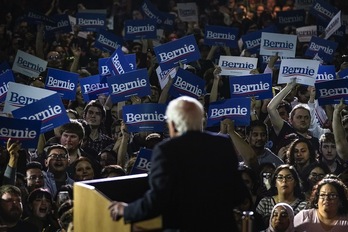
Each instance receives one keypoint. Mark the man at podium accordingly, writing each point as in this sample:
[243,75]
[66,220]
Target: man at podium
[194,182]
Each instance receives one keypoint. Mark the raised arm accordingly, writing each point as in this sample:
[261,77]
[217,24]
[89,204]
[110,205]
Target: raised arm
[314,127]
[214,89]
[13,148]
[39,44]
[339,132]
[164,93]
[241,146]
[76,50]
[276,120]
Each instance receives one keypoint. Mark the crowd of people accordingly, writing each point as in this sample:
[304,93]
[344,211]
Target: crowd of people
[294,166]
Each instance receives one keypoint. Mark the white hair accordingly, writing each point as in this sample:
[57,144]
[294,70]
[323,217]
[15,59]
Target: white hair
[186,113]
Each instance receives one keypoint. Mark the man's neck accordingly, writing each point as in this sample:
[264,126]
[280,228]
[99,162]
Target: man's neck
[94,133]
[304,134]
[332,165]
[59,176]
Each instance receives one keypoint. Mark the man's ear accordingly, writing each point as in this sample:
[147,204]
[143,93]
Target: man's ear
[46,163]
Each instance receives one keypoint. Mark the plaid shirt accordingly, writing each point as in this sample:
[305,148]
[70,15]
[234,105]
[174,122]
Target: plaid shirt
[100,143]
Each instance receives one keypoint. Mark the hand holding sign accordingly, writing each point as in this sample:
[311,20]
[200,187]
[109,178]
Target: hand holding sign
[13,148]
[273,59]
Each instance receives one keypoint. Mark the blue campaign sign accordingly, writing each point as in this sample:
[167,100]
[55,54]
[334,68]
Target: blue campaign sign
[134,83]
[27,132]
[4,67]
[140,29]
[184,50]
[237,109]
[150,11]
[343,74]
[144,117]
[167,21]
[117,63]
[163,20]
[50,110]
[107,41]
[221,36]
[326,73]
[252,41]
[323,48]
[132,60]
[143,162]
[63,25]
[258,86]
[34,17]
[63,82]
[103,67]
[323,10]
[93,86]
[331,92]
[187,83]
[5,78]
[291,18]
[88,21]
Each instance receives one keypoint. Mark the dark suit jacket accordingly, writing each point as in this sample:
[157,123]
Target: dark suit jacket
[194,184]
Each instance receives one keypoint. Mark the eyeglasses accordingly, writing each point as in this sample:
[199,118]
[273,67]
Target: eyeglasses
[330,196]
[317,175]
[54,57]
[58,156]
[35,177]
[280,178]
[266,175]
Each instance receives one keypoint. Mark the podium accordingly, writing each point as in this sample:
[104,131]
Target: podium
[92,199]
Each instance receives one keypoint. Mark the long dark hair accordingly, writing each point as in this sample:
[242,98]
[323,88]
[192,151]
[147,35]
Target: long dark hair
[312,154]
[298,187]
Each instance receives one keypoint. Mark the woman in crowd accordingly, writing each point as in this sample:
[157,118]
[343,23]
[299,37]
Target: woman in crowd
[41,214]
[282,219]
[286,188]
[314,173]
[83,169]
[328,208]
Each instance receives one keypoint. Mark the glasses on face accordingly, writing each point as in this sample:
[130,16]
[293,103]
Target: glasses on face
[330,196]
[281,178]
[318,175]
[53,57]
[266,175]
[58,156]
[33,177]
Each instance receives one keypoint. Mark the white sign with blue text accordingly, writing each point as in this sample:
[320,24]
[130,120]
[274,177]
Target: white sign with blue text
[303,70]
[237,65]
[19,95]
[272,43]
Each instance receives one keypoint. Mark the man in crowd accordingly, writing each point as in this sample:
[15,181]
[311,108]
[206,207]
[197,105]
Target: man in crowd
[57,162]
[11,210]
